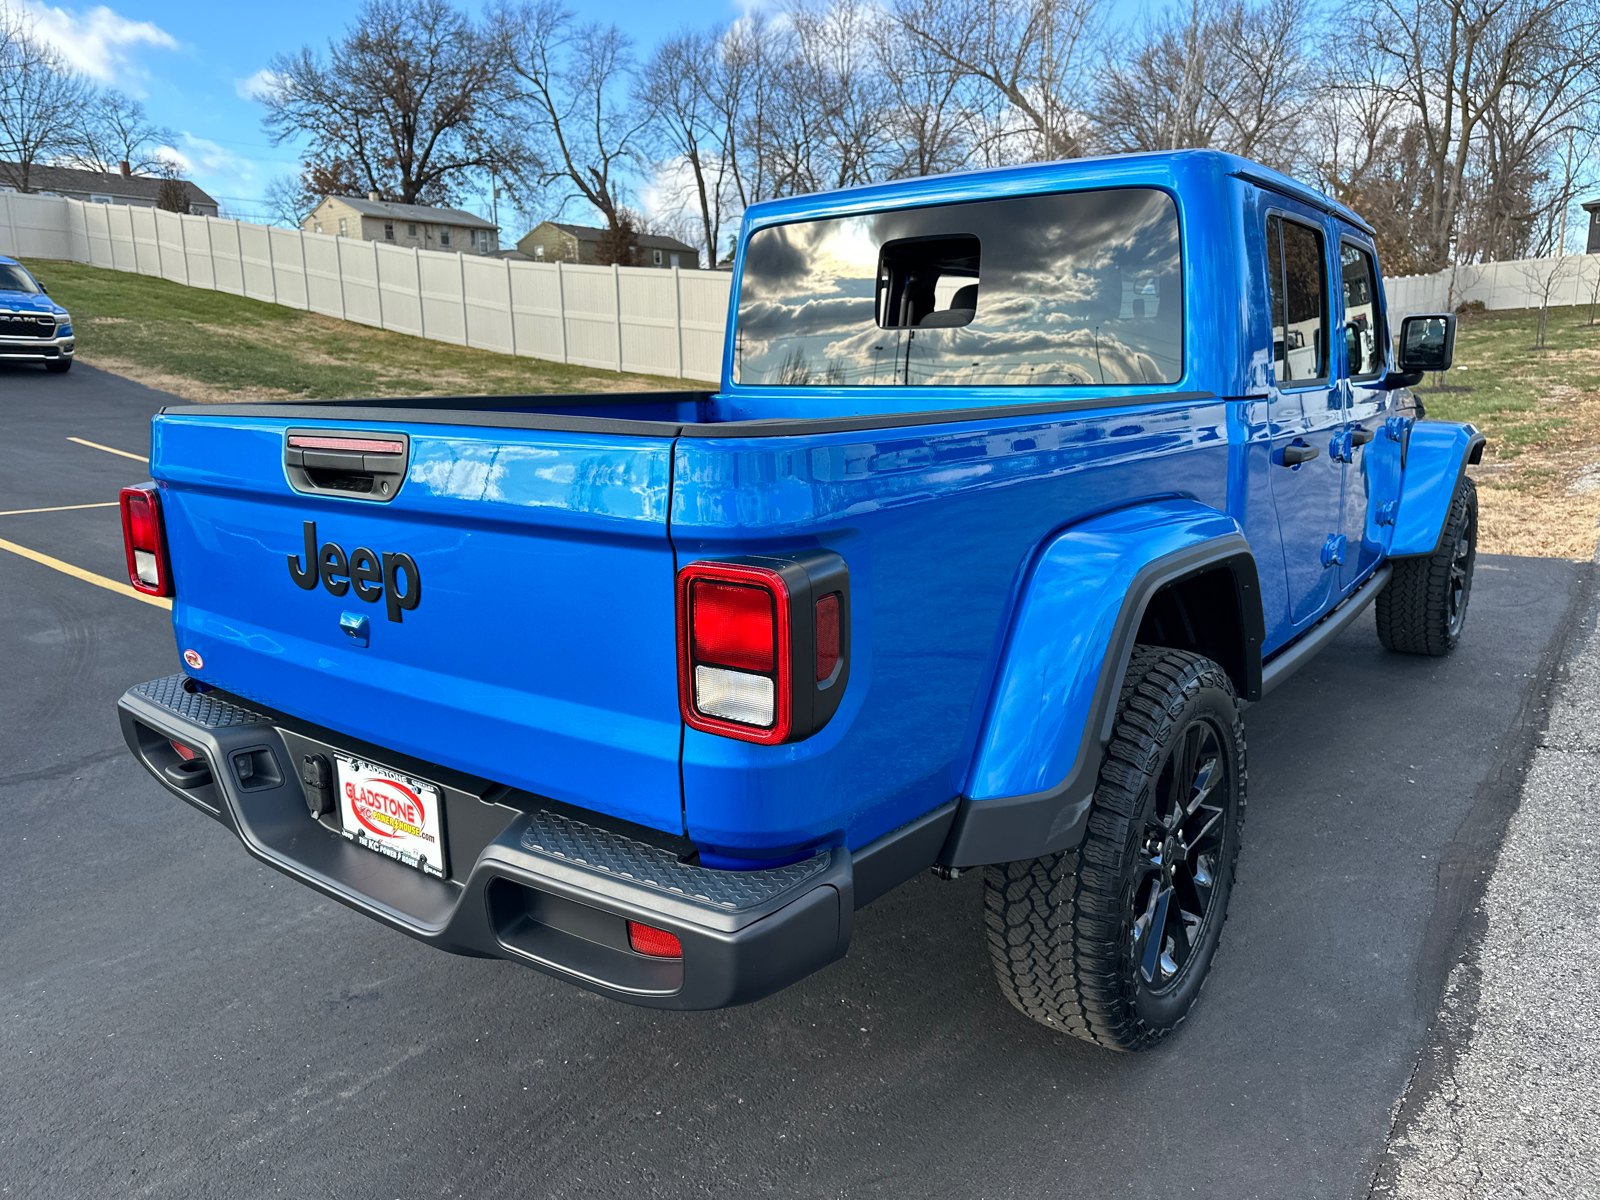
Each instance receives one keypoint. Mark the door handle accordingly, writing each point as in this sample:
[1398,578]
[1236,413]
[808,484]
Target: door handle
[1293,456]
[1362,436]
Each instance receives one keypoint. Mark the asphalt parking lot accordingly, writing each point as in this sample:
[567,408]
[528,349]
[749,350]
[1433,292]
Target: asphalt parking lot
[179,1020]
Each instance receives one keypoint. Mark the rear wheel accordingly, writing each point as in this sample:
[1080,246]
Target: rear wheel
[1424,606]
[1111,942]
[59,366]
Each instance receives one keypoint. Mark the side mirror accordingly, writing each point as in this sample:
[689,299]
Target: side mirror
[1427,343]
[42,288]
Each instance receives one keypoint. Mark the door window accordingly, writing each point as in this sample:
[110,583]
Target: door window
[1363,318]
[1299,301]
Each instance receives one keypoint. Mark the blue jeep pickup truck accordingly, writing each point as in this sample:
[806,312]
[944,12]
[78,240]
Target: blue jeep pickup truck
[1018,485]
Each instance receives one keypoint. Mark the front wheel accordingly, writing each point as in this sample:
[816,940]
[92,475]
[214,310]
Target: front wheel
[58,366]
[1424,606]
[1111,942]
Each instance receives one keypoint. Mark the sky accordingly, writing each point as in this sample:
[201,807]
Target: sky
[193,66]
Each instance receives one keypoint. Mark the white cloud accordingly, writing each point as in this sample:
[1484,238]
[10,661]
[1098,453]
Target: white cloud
[259,86]
[201,156]
[99,42]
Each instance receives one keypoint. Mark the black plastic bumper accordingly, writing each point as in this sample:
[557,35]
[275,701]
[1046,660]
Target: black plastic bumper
[526,883]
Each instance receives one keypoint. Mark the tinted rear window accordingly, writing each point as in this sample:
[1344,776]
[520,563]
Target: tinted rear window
[1076,289]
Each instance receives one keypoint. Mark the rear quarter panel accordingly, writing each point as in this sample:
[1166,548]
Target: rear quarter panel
[939,526]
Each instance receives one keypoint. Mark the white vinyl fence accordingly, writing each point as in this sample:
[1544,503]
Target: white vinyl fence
[1520,284]
[658,322]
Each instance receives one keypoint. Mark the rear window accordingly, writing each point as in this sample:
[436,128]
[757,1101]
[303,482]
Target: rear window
[1076,289]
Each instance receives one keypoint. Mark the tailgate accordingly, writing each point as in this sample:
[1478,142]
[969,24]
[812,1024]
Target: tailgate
[540,652]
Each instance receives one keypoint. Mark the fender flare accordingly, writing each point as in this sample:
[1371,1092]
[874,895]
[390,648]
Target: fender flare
[1054,697]
[1436,457]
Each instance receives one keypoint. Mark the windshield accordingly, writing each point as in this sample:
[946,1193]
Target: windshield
[14,279]
[1078,289]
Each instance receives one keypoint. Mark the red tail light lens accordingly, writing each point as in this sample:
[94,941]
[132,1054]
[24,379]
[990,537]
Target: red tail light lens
[144,538]
[733,625]
[657,943]
[827,636]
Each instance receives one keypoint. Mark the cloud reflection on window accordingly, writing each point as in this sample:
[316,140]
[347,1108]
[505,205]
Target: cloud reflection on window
[1074,289]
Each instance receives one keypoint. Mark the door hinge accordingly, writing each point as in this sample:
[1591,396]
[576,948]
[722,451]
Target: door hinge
[1386,512]
[1333,551]
[1395,428]
[1341,448]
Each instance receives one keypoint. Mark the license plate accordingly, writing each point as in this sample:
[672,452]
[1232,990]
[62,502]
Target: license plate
[392,813]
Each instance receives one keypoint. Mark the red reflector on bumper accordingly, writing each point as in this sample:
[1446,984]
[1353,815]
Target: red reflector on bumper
[657,943]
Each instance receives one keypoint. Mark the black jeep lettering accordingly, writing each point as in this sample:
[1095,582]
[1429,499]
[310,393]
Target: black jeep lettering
[373,576]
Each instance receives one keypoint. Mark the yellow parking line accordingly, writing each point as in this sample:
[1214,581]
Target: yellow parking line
[111,585]
[108,449]
[20,512]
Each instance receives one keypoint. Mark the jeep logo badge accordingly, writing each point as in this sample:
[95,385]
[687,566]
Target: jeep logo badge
[373,577]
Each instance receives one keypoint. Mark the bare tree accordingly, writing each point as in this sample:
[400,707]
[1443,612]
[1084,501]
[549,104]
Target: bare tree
[1541,277]
[1453,62]
[1226,75]
[291,198]
[588,134]
[1523,169]
[929,118]
[39,102]
[676,87]
[113,129]
[837,82]
[1032,54]
[410,102]
[173,194]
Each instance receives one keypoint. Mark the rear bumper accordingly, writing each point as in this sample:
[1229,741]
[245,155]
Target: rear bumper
[40,349]
[526,883]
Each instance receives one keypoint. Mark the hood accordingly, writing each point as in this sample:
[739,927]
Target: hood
[28,302]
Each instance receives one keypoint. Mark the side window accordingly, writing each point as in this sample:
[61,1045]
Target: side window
[1299,301]
[1363,318]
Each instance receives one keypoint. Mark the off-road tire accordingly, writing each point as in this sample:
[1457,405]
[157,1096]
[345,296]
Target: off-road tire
[1063,932]
[58,366]
[1424,606]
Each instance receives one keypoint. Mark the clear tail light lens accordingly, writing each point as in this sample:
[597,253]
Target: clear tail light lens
[144,538]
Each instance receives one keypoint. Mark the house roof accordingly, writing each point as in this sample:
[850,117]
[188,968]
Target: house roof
[645,241]
[412,212]
[101,183]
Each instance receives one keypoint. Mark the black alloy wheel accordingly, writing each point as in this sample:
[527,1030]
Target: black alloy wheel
[1176,872]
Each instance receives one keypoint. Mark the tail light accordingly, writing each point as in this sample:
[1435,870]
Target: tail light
[763,644]
[144,537]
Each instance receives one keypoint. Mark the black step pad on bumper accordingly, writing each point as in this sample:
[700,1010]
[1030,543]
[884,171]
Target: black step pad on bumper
[525,883]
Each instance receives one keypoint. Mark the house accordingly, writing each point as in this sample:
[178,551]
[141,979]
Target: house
[556,241]
[377,220]
[101,187]
[1593,209]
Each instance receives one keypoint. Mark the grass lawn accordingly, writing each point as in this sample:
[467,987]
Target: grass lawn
[1539,483]
[212,346]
